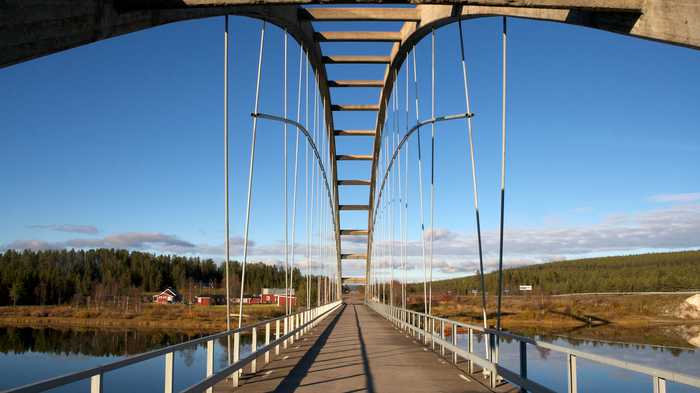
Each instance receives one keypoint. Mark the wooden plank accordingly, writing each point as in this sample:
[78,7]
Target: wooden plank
[360,14]
[356,59]
[353,157]
[356,83]
[353,256]
[355,132]
[355,107]
[354,232]
[351,36]
[354,207]
[353,182]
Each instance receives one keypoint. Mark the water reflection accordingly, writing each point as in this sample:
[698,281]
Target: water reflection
[91,342]
[28,355]
[549,367]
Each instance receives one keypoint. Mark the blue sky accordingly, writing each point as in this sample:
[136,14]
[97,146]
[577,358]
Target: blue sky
[119,143]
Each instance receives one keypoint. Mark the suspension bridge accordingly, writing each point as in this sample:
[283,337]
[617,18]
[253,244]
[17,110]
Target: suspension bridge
[370,341]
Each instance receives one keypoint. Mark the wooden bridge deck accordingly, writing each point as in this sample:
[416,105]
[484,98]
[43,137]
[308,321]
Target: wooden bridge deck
[356,350]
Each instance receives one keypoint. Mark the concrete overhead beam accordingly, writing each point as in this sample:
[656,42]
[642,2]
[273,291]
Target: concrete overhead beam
[619,5]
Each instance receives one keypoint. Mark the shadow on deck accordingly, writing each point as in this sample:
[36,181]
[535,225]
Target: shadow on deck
[356,350]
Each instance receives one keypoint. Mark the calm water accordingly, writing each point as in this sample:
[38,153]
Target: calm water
[549,367]
[28,355]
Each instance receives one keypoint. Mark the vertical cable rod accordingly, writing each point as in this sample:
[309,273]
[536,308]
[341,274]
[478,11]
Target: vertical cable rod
[432,173]
[226,195]
[286,185]
[250,174]
[306,180]
[503,177]
[405,230]
[420,187]
[296,177]
[473,171]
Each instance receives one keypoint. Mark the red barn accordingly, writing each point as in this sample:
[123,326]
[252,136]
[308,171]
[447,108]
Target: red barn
[204,300]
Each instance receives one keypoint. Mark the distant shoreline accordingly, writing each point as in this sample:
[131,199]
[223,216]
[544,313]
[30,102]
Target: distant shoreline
[164,317]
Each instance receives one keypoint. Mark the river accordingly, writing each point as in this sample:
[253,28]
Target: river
[28,355]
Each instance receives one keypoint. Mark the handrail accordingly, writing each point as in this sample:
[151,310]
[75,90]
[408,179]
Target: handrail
[424,325]
[224,373]
[95,373]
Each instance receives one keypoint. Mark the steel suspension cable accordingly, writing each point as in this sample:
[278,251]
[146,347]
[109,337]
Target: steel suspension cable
[306,181]
[392,205]
[420,186]
[473,172]
[400,189]
[503,177]
[405,233]
[286,186]
[250,175]
[432,173]
[226,194]
[296,177]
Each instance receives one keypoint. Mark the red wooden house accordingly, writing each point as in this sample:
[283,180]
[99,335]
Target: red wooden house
[168,296]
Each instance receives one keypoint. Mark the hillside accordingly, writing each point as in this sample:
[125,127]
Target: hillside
[672,271]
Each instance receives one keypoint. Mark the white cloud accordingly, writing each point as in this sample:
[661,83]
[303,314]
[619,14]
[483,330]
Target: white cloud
[673,227]
[676,198]
[86,229]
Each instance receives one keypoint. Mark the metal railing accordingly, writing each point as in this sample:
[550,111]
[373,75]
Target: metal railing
[432,329]
[286,330]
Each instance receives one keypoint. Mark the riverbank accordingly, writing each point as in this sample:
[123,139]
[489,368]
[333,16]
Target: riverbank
[642,319]
[152,316]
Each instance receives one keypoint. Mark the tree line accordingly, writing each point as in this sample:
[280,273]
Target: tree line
[65,276]
[671,271]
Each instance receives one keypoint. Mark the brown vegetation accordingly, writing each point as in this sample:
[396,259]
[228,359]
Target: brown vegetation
[565,311]
[172,316]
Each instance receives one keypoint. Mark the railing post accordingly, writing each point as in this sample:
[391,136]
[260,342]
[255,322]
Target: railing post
[168,383]
[493,376]
[277,336]
[659,385]
[96,383]
[286,330]
[470,348]
[523,363]
[267,342]
[236,356]
[253,348]
[432,332]
[210,361]
[425,329]
[292,318]
[454,342]
[571,368]
[295,326]
[413,324]
[442,337]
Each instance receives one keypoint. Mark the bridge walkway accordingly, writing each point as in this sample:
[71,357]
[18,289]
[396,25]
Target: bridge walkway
[356,350]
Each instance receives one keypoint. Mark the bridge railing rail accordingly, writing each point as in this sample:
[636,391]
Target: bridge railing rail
[287,329]
[432,329]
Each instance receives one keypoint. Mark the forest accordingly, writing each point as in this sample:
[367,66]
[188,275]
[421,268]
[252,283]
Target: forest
[74,276]
[671,271]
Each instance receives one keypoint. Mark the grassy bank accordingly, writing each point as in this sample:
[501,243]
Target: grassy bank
[554,311]
[648,319]
[175,316]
